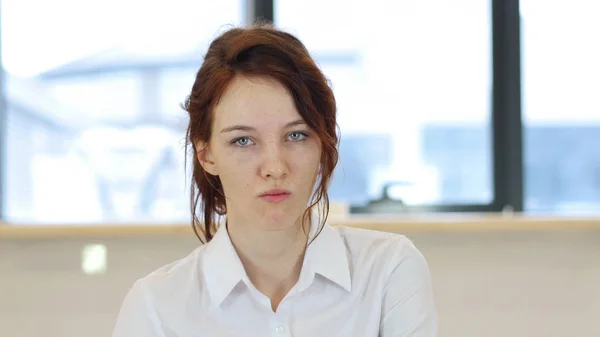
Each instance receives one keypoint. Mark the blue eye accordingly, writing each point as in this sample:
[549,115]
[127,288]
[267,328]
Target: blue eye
[297,136]
[242,142]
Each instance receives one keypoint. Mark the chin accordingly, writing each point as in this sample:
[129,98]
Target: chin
[280,218]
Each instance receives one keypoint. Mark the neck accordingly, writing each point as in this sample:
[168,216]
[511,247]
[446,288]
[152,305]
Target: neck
[272,258]
[267,247]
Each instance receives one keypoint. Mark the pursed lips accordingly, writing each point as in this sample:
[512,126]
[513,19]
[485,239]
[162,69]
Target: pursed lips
[275,195]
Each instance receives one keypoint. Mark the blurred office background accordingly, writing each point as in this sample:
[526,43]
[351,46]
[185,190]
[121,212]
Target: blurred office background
[468,106]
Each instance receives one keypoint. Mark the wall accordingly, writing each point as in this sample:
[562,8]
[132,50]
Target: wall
[487,283]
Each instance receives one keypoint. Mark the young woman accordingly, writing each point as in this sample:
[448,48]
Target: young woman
[262,127]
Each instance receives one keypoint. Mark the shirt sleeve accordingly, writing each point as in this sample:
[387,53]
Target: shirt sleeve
[408,309]
[137,317]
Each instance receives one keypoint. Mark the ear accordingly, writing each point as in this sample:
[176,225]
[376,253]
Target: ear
[205,158]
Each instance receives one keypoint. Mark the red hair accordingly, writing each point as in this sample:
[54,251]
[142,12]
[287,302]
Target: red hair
[260,50]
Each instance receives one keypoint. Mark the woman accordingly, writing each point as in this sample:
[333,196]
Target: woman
[263,132]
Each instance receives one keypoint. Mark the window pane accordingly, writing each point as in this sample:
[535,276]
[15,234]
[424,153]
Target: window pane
[94,125]
[561,108]
[413,84]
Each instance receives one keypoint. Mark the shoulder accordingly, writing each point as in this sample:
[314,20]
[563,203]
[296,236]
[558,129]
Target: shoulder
[360,240]
[383,250]
[166,283]
[155,300]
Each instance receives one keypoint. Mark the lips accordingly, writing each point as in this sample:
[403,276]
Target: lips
[275,196]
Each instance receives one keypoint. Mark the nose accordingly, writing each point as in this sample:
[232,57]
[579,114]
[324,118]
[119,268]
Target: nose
[273,165]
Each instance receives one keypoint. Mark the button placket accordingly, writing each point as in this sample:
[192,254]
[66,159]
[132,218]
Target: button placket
[279,329]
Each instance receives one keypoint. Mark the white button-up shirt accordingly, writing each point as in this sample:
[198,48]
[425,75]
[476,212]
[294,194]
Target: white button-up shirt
[353,282]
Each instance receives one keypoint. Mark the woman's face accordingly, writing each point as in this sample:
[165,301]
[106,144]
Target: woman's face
[266,157]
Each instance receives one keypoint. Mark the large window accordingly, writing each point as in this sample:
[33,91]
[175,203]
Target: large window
[429,96]
[413,84]
[92,93]
[561,105]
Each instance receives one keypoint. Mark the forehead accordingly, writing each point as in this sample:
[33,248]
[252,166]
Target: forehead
[250,100]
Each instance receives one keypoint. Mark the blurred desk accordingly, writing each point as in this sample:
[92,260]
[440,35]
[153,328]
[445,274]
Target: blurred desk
[394,223]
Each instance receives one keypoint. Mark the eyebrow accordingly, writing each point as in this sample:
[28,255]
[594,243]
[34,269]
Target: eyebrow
[249,128]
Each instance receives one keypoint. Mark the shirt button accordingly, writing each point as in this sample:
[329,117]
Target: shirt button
[279,329]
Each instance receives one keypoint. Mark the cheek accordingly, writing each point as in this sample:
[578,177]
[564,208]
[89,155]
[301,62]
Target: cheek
[236,169]
[236,160]
[307,163]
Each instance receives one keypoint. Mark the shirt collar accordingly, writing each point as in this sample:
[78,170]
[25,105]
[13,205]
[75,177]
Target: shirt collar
[326,255]
[223,269]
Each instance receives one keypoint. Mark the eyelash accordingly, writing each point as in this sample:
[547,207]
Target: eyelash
[302,133]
